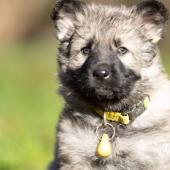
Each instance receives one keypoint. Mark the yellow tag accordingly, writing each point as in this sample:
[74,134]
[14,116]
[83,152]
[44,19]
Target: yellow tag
[104,148]
[118,117]
[146,103]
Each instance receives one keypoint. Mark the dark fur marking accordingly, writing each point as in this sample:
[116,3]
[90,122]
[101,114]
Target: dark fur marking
[68,6]
[153,11]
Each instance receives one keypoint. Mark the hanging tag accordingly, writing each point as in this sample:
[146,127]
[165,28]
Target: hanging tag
[105,134]
[104,148]
[146,102]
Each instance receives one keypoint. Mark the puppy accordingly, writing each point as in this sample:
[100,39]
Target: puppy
[117,112]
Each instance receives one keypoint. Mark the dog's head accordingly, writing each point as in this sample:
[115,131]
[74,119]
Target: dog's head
[105,51]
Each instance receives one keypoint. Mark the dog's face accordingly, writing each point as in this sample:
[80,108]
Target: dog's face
[104,50]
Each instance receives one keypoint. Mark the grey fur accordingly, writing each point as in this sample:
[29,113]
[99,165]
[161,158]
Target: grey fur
[143,144]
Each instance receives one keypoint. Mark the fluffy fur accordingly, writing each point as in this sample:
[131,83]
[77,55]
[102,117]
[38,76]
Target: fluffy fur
[123,42]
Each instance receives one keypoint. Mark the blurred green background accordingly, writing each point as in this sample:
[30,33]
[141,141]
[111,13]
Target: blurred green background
[29,103]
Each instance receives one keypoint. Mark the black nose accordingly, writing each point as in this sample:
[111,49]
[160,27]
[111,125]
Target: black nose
[101,73]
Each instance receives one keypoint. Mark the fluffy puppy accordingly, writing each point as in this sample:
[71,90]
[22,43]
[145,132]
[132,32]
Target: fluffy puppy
[109,63]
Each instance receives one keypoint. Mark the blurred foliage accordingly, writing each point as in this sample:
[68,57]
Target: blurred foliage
[23,19]
[29,106]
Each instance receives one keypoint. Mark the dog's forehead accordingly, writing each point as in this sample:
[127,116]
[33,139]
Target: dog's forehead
[111,23]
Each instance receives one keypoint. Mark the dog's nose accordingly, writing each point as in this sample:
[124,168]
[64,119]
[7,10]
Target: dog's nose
[101,73]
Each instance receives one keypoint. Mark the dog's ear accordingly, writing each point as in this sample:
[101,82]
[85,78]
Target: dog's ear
[64,16]
[153,15]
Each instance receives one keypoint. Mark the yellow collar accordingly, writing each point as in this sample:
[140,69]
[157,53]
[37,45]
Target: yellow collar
[122,118]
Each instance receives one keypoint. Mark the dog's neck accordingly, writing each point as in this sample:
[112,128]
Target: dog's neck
[76,102]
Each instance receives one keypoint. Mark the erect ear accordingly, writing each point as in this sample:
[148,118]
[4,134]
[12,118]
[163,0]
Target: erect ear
[64,17]
[153,16]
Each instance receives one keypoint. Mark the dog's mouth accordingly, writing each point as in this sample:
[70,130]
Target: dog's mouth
[104,92]
[113,88]
[110,93]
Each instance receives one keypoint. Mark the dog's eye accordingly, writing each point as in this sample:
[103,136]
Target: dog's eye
[85,50]
[122,51]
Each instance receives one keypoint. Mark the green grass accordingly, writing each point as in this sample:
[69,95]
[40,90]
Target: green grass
[29,105]
[166,63]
